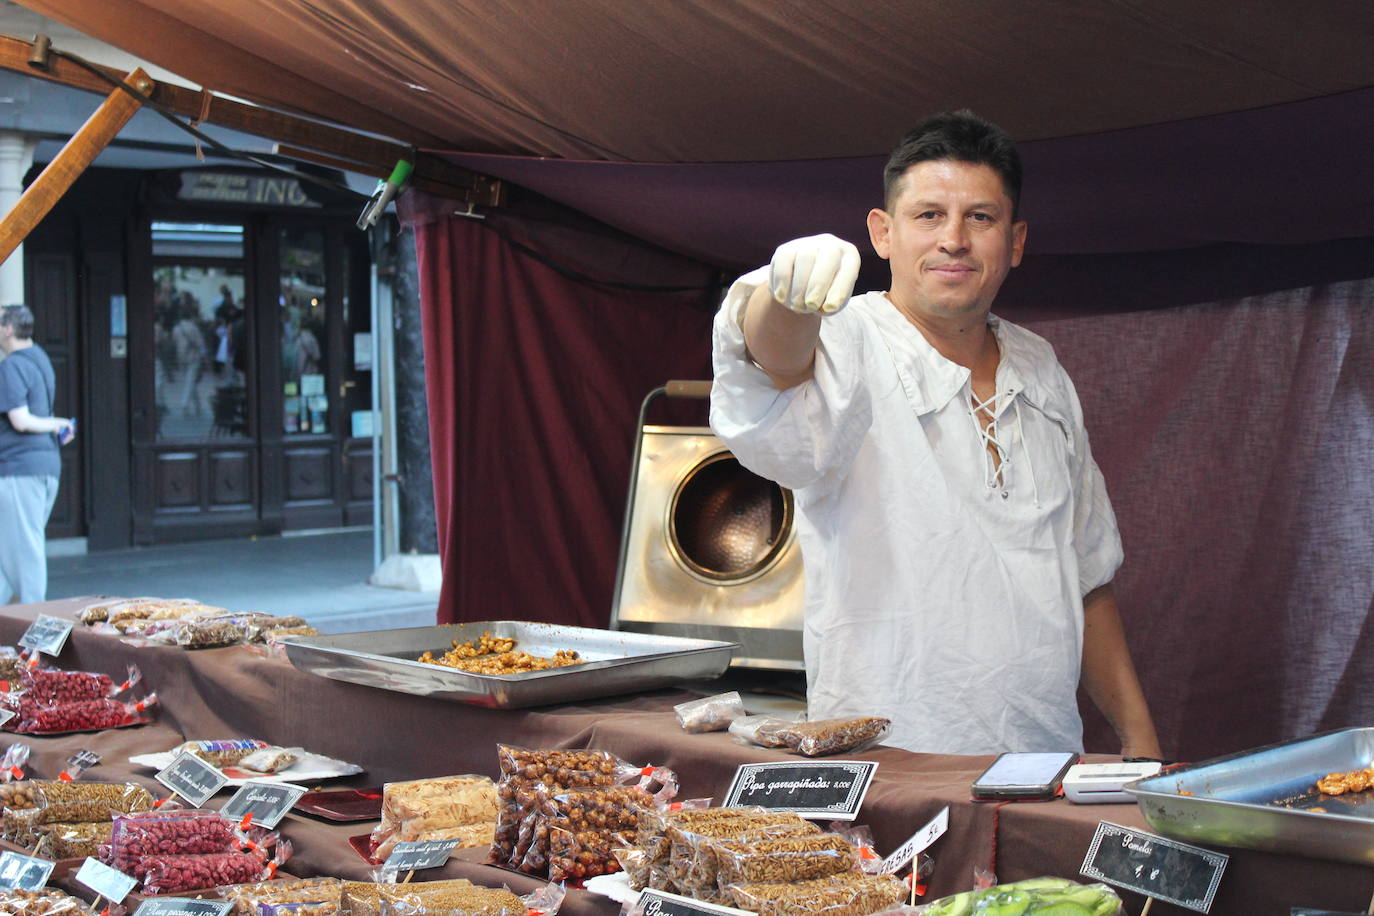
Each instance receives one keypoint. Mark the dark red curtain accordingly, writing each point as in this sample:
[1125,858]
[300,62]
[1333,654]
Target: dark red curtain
[1235,435]
[535,379]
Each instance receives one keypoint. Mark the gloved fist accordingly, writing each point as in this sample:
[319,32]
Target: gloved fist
[814,274]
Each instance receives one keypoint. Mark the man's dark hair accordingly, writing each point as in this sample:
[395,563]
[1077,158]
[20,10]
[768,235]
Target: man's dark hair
[18,318]
[961,136]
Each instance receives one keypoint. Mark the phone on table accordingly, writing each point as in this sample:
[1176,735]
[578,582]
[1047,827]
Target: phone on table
[1024,775]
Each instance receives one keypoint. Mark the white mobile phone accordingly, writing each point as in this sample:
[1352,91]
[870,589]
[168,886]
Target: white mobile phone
[1024,775]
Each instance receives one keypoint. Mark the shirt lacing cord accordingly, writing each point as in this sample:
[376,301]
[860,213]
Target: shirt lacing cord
[995,472]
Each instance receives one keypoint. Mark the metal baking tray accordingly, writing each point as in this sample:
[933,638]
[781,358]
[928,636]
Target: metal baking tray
[1266,799]
[616,662]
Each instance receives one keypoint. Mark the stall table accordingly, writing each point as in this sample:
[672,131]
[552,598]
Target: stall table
[246,692]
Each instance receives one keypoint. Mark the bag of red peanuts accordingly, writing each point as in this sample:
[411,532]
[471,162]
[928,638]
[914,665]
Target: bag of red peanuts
[180,874]
[37,718]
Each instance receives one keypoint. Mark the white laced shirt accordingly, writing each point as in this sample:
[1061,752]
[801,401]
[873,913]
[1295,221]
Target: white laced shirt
[944,589]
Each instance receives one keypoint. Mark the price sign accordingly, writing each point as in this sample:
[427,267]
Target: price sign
[1154,866]
[109,883]
[24,873]
[83,760]
[266,802]
[183,906]
[6,715]
[418,855]
[920,841]
[191,778]
[661,903]
[814,788]
[47,634]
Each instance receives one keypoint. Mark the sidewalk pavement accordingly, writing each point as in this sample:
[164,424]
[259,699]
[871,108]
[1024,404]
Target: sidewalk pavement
[319,576]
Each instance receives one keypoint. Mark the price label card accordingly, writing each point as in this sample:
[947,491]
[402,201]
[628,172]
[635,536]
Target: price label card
[24,873]
[6,715]
[1167,870]
[920,841]
[83,759]
[183,906]
[812,788]
[418,855]
[266,802]
[191,778]
[109,883]
[47,634]
[662,903]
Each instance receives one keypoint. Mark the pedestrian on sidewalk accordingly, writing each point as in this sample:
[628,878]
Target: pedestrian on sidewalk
[29,460]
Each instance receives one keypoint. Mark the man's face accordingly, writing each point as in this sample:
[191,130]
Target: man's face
[950,239]
[6,337]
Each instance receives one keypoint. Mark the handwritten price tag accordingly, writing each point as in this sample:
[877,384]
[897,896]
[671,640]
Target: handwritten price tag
[810,788]
[47,635]
[1154,866]
[191,778]
[920,841]
[24,873]
[109,883]
[265,802]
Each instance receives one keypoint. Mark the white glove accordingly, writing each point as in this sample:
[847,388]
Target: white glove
[814,274]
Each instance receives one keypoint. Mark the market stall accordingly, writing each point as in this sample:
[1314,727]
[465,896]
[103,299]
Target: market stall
[245,692]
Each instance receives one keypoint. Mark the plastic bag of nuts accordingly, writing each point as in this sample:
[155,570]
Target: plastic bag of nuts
[778,859]
[760,730]
[691,858]
[523,770]
[710,714]
[452,900]
[246,898]
[447,807]
[833,736]
[177,874]
[83,716]
[137,838]
[86,802]
[850,894]
[46,902]
[575,831]
[72,841]
[221,753]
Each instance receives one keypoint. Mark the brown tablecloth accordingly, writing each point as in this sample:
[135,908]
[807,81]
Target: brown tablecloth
[241,692]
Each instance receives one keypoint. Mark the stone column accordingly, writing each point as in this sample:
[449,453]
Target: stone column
[16,156]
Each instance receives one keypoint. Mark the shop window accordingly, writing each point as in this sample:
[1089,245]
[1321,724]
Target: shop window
[200,350]
[304,338]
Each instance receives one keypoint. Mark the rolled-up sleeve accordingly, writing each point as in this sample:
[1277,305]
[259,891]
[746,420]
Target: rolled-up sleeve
[799,436]
[1097,539]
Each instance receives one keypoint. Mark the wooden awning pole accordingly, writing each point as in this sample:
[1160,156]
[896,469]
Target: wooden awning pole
[47,189]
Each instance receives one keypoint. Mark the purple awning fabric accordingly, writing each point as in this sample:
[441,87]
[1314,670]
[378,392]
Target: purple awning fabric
[1288,174]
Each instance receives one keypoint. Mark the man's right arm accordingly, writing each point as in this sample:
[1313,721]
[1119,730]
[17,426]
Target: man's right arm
[807,278]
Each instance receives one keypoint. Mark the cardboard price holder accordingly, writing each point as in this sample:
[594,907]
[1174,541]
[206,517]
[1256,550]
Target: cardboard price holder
[24,873]
[1159,868]
[47,635]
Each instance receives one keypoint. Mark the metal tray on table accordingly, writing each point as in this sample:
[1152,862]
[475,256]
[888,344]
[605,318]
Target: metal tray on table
[615,662]
[1267,799]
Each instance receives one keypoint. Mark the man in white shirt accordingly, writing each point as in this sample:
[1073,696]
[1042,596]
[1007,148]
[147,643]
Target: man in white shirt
[957,537]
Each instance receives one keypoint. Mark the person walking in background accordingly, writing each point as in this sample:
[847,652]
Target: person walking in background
[29,461]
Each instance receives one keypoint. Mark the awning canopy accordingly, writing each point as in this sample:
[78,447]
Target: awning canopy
[719,127]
